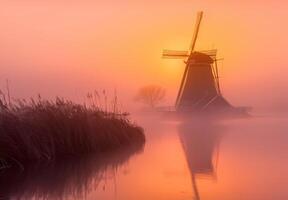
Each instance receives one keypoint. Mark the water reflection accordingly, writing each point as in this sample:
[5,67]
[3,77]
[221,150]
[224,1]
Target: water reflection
[248,150]
[200,142]
[67,179]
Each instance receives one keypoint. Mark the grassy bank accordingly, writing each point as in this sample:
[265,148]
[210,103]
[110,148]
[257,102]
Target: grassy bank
[44,131]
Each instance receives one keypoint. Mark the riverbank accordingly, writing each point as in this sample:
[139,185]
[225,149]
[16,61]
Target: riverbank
[45,131]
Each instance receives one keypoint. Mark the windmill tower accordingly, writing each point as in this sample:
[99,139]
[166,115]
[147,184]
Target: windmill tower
[199,88]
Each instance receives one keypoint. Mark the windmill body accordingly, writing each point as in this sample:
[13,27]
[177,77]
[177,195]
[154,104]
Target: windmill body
[199,88]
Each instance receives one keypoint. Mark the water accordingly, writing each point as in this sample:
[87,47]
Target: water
[233,159]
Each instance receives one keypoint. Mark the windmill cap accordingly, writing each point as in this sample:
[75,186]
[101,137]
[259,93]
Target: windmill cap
[199,57]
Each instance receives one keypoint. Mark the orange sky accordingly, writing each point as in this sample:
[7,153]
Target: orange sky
[67,48]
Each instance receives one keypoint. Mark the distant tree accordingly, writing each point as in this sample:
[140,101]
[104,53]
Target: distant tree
[150,95]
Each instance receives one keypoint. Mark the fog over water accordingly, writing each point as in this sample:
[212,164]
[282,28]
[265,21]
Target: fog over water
[182,159]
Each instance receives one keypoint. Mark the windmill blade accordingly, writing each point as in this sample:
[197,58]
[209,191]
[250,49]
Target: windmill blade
[174,54]
[195,35]
[196,31]
[217,77]
[181,86]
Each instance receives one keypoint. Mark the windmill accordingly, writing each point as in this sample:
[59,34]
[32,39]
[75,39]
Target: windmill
[199,88]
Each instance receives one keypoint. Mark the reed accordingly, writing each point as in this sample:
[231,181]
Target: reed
[39,130]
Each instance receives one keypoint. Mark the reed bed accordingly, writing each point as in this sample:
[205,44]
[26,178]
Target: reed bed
[45,131]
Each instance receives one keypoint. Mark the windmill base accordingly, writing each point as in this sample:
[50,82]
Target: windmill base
[224,113]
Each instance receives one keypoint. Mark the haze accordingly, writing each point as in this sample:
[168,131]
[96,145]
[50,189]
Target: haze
[68,48]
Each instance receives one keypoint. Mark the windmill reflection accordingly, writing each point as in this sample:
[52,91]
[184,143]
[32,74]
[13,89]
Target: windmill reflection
[200,142]
[66,179]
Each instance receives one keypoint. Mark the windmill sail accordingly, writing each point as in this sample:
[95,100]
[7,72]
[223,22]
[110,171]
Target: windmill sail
[192,46]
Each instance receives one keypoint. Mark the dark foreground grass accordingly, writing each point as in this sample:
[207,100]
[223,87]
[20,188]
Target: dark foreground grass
[46,131]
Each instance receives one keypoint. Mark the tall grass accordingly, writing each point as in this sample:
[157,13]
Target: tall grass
[44,130]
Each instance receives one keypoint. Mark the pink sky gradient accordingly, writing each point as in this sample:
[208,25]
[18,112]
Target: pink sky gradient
[67,48]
